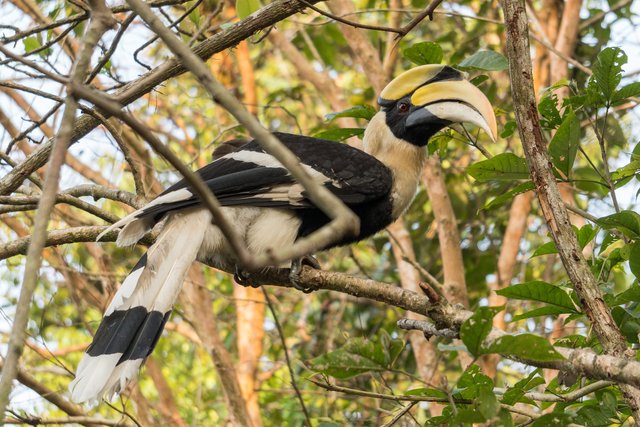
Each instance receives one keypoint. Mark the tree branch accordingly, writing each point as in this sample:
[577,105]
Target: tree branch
[101,21]
[264,18]
[553,208]
[343,221]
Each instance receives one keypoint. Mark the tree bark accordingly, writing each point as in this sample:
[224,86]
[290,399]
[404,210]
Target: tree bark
[553,208]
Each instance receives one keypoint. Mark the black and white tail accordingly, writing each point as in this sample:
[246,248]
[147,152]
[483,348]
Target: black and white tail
[135,318]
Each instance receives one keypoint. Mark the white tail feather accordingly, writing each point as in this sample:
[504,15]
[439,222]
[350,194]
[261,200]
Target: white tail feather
[154,287]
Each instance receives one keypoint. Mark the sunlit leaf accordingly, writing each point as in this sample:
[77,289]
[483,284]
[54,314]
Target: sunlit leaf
[529,346]
[607,73]
[427,392]
[358,112]
[628,91]
[509,195]
[549,310]
[476,328]
[245,8]
[545,249]
[339,134]
[424,53]
[31,43]
[626,171]
[541,292]
[504,166]
[516,393]
[485,60]
[627,222]
[564,144]
[358,356]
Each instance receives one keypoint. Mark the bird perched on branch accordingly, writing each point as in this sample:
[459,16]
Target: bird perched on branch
[271,210]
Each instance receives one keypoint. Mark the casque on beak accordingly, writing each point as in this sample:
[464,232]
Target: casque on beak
[441,94]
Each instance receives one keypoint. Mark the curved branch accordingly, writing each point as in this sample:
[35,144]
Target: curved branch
[264,18]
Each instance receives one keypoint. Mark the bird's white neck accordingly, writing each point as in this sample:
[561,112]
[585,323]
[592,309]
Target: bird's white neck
[404,159]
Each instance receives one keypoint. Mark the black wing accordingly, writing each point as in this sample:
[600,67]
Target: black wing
[250,177]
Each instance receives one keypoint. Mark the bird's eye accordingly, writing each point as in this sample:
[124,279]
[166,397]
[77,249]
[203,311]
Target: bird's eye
[403,107]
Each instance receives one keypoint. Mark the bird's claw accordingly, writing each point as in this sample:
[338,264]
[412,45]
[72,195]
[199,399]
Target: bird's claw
[296,269]
[243,278]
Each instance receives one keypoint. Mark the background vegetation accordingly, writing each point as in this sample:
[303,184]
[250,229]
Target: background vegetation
[475,237]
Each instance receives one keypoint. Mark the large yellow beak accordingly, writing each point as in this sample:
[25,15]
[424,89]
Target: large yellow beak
[441,93]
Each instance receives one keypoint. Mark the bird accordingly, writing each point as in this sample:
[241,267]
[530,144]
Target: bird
[270,209]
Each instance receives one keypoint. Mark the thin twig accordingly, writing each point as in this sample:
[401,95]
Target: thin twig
[195,181]
[294,383]
[600,135]
[427,12]
[400,414]
[351,23]
[343,221]
[265,18]
[85,420]
[101,21]
[33,65]
[600,16]
[571,396]
[126,152]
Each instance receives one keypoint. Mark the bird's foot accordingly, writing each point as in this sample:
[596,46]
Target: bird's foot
[296,269]
[243,278]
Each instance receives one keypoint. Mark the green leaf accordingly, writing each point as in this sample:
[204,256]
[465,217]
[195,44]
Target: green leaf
[516,393]
[528,346]
[470,380]
[549,310]
[626,222]
[634,259]
[487,404]
[628,323]
[554,419]
[424,53]
[486,60]
[541,292]
[509,128]
[358,356]
[564,144]
[478,80]
[628,91]
[626,171]
[427,392]
[509,195]
[630,295]
[358,112]
[196,17]
[504,166]
[607,73]
[31,43]
[586,234]
[545,249]
[476,328]
[548,108]
[245,8]
[339,134]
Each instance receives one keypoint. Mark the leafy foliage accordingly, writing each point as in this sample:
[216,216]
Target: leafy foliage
[485,60]
[504,166]
[351,342]
[424,53]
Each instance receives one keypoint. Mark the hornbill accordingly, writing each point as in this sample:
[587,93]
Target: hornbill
[269,209]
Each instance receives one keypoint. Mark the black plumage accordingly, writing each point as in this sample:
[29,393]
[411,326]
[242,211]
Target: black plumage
[361,181]
[270,210]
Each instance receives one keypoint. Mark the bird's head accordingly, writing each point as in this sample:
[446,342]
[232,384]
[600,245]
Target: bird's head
[424,100]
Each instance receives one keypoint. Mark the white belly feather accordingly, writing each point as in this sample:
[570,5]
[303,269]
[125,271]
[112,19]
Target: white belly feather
[261,228]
